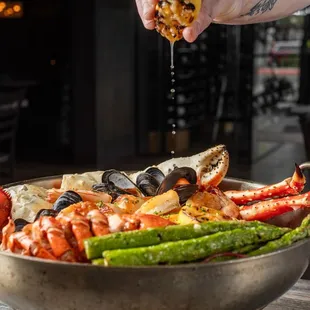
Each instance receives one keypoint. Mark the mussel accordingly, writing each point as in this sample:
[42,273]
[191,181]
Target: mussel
[156,173]
[67,199]
[154,182]
[20,224]
[184,191]
[110,189]
[174,176]
[46,212]
[150,180]
[147,184]
[116,183]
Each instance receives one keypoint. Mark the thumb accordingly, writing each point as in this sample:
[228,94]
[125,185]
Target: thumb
[203,21]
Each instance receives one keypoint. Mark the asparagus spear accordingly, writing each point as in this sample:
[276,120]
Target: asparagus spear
[96,245]
[306,221]
[300,233]
[192,249]
[98,261]
[132,239]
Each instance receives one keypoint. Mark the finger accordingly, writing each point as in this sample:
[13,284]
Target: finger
[203,21]
[147,12]
[139,7]
[191,33]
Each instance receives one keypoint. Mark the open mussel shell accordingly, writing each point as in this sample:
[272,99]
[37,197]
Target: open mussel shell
[66,199]
[155,173]
[46,212]
[147,184]
[174,176]
[110,189]
[20,224]
[186,191]
[121,183]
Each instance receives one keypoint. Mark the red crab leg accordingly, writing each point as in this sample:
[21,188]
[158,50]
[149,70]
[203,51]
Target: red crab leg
[290,186]
[5,207]
[265,210]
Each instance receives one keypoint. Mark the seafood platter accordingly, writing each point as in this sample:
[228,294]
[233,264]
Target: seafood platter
[176,234]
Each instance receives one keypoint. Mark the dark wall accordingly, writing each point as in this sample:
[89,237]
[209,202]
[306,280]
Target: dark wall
[83,66]
[93,43]
[34,54]
[103,78]
[115,80]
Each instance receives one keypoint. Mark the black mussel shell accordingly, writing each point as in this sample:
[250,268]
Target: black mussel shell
[156,173]
[46,212]
[120,181]
[186,191]
[118,178]
[172,178]
[66,199]
[20,224]
[148,184]
[110,189]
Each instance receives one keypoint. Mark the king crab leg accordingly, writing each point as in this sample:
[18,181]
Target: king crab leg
[290,186]
[265,210]
[5,207]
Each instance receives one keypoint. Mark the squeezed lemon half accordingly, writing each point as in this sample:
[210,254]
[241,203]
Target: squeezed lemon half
[172,16]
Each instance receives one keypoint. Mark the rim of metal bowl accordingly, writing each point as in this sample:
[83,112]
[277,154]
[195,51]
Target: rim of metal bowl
[157,267]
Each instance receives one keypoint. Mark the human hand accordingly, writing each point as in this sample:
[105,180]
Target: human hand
[209,11]
[146,10]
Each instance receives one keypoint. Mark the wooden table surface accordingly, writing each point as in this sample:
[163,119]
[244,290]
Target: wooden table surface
[298,298]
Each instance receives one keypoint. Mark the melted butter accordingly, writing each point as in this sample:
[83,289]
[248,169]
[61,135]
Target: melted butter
[172,92]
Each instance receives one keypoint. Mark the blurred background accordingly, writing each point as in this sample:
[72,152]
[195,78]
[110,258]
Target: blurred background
[84,86]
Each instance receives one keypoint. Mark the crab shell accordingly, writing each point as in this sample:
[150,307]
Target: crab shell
[211,165]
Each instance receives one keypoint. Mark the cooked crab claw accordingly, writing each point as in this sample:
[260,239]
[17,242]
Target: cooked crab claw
[290,186]
[211,166]
[5,207]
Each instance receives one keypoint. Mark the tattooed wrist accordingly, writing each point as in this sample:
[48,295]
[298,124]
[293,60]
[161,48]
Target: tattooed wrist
[261,7]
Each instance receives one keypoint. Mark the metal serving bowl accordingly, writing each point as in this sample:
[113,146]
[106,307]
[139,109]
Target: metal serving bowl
[252,283]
